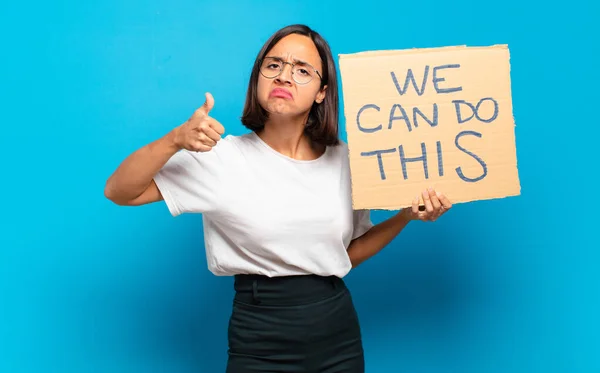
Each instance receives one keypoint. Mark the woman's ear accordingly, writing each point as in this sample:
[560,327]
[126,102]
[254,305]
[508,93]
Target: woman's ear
[321,95]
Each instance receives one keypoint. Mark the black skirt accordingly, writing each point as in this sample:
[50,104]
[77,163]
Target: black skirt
[293,324]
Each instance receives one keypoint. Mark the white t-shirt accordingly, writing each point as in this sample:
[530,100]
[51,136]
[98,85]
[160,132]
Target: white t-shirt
[266,213]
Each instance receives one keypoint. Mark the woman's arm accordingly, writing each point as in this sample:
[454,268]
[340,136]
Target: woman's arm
[379,236]
[376,238]
[133,181]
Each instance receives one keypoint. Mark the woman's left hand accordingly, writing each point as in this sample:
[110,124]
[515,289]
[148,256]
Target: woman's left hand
[435,205]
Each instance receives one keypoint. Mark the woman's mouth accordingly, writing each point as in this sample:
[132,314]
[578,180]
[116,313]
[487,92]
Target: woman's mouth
[281,93]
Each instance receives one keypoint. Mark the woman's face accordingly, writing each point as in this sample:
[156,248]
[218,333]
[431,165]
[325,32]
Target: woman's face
[293,92]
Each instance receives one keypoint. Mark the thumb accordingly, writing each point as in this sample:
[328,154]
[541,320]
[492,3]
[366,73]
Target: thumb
[209,103]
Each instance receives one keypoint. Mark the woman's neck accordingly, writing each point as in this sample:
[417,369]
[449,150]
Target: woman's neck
[287,136]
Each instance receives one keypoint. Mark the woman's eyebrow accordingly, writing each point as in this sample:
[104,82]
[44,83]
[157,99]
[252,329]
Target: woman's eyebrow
[296,60]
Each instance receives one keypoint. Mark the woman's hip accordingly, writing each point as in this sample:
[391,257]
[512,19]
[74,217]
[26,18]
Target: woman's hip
[306,322]
[286,290]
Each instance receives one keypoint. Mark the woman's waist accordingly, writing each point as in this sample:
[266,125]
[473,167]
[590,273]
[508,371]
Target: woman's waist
[286,290]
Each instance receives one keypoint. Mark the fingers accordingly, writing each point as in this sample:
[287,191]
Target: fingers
[206,140]
[212,134]
[208,126]
[435,204]
[207,106]
[200,138]
[205,137]
[199,146]
[200,132]
[415,205]
[203,114]
[427,201]
[209,103]
[434,200]
[217,127]
[445,201]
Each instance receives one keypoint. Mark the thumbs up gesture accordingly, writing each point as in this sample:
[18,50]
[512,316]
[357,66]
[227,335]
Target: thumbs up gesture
[200,132]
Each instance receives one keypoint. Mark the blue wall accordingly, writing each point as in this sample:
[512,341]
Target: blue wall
[507,285]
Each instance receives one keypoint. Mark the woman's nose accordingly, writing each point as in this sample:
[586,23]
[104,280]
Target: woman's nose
[286,73]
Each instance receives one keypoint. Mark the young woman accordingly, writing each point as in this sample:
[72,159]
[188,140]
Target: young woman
[277,209]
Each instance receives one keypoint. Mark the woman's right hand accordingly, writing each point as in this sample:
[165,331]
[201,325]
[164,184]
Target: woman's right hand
[200,132]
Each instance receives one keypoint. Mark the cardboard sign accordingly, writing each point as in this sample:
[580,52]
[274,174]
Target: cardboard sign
[439,117]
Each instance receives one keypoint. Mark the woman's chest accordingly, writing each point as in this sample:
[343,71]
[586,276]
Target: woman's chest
[289,201]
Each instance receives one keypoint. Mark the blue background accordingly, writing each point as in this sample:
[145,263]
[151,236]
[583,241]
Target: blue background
[508,285]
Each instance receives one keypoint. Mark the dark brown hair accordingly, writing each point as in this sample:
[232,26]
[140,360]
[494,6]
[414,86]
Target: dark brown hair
[322,125]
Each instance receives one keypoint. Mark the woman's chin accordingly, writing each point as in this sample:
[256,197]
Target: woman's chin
[280,109]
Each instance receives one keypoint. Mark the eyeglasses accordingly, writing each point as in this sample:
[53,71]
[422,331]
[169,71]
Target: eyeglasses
[302,72]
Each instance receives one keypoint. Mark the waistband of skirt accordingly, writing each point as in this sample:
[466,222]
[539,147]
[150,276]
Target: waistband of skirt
[285,290]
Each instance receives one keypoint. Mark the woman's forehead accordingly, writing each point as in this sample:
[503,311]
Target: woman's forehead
[294,48]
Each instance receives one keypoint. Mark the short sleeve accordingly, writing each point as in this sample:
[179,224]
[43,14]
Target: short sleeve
[362,222]
[189,181]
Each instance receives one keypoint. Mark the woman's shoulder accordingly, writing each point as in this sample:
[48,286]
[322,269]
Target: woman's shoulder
[340,150]
[342,145]
[233,141]
[229,147]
